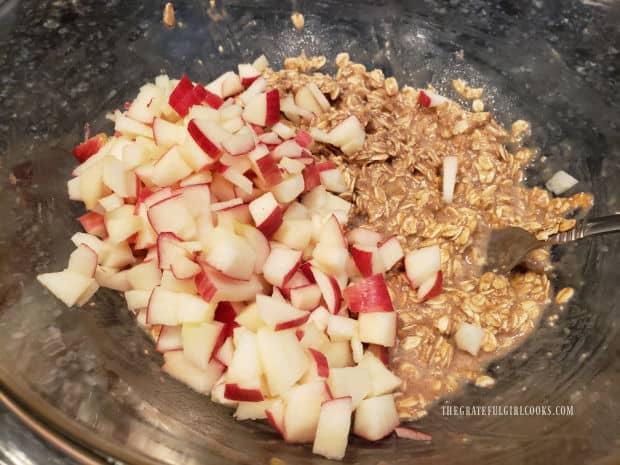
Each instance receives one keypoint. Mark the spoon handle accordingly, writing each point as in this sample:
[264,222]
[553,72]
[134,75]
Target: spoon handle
[586,228]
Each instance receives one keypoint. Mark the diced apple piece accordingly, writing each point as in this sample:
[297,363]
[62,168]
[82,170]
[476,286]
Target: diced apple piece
[131,127]
[320,317]
[137,299]
[350,381]
[214,286]
[170,168]
[283,359]
[253,410]
[338,354]
[349,135]
[200,340]
[275,416]
[253,90]
[289,189]
[367,260]
[167,134]
[305,99]
[112,279]
[450,167]
[391,253]
[144,276]
[382,380]
[431,287]
[329,288]
[169,339]
[321,363]
[279,315]
[294,233]
[172,215]
[369,295]
[340,328]
[66,285]
[121,223]
[177,365]
[376,417]
[250,318]
[245,364]
[306,297]
[93,223]
[83,260]
[378,328]
[413,434]
[469,338]
[257,241]
[333,427]
[263,109]
[333,180]
[426,98]
[266,213]
[303,407]
[282,130]
[229,253]
[421,264]
[281,265]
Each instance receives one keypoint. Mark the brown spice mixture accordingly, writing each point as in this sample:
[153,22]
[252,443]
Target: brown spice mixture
[396,185]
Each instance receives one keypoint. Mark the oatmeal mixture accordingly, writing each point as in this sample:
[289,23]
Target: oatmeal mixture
[395,183]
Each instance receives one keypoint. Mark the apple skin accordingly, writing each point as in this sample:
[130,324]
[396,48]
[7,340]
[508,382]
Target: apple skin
[233,391]
[322,365]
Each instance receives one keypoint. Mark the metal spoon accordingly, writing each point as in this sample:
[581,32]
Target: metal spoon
[506,248]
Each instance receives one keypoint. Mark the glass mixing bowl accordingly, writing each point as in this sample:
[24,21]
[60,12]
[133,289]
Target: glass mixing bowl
[91,379]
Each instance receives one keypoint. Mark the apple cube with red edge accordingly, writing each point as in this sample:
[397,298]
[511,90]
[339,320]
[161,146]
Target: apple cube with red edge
[382,380]
[350,381]
[89,147]
[169,247]
[263,109]
[376,418]
[214,286]
[275,416]
[225,353]
[281,265]
[169,339]
[283,359]
[390,252]
[303,407]
[250,392]
[421,264]
[364,236]
[312,177]
[367,260]
[369,295]
[332,433]
[331,233]
[248,74]
[406,432]
[93,223]
[280,315]
[378,328]
[172,215]
[253,410]
[265,166]
[266,213]
[426,98]
[329,288]
[166,134]
[200,340]
[183,88]
[431,287]
[322,365]
[67,285]
[198,130]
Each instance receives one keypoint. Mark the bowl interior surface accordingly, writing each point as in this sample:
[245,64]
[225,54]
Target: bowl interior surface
[94,376]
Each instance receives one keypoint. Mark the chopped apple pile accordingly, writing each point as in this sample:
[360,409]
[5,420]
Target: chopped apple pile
[209,211]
